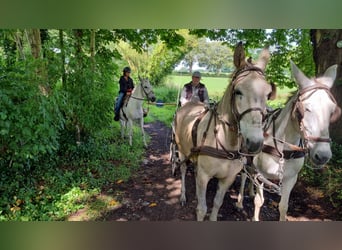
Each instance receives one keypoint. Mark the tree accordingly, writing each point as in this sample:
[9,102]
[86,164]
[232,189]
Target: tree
[215,56]
[285,44]
[137,60]
[312,50]
[157,59]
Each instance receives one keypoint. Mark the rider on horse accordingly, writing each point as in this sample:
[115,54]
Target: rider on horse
[126,88]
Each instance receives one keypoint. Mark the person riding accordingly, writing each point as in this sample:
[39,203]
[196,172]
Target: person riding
[195,91]
[126,88]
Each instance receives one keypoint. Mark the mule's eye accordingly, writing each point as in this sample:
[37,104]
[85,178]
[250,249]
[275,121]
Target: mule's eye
[145,87]
[307,109]
[237,92]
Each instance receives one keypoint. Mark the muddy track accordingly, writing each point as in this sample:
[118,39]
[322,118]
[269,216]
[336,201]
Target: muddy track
[152,193]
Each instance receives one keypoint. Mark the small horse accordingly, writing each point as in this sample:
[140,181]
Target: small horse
[133,110]
[301,127]
[222,132]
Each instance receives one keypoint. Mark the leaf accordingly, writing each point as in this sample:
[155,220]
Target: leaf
[113,203]
[153,204]
[119,181]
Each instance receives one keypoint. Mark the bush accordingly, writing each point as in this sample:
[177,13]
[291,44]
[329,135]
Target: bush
[30,120]
[329,179]
[166,93]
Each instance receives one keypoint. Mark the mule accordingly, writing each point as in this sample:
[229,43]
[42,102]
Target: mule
[132,108]
[301,128]
[213,139]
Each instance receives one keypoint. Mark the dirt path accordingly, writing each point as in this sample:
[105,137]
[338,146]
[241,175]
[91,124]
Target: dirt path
[153,194]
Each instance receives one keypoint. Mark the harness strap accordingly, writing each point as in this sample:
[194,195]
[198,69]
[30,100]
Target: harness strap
[195,126]
[207,150]
[287,154]
[318,139]
[217,153]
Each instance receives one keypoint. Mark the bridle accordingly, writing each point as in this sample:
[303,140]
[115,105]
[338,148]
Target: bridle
[298,112]
[240,74]
[299,109]
[145,92]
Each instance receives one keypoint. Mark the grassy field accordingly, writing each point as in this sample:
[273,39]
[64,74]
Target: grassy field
[217,85]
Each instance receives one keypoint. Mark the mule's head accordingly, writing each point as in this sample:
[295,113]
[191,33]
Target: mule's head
[314,109]
[250,91]
[147,90]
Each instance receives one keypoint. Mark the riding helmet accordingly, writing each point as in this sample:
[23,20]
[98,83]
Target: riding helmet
[127,69]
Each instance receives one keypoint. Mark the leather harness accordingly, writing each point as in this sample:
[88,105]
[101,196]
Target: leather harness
[301,150]
[222,152]
[216,152]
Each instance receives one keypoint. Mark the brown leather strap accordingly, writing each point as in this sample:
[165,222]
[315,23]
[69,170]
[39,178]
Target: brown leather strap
[318,139]
[217,153]
[195,126]
[287,154]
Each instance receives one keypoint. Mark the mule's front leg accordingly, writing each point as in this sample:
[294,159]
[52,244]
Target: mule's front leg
[223,186]
[201,191]
[286,189]
[258,201]
[183,168]
[239,203]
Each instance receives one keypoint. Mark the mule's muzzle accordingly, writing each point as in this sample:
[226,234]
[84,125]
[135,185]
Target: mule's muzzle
[253,146]
[321,157]
[153,99]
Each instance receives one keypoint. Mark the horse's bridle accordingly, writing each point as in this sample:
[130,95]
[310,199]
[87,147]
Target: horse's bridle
[239,74]
[145,92]
[298,107]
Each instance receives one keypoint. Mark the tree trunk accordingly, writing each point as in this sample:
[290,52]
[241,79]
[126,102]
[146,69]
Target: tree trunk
[326,53]
[190,66]
[92,49]
[10,49]
[19,42]
[78,33]
[61,44]
[35,42]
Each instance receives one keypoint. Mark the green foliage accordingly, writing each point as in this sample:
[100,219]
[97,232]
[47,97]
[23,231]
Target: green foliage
[330,178]
[285,45]
[30,120]
[216,57]
[53,189]
[163,61]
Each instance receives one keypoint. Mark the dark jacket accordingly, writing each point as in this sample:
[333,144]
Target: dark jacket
[125,85]
[201,88]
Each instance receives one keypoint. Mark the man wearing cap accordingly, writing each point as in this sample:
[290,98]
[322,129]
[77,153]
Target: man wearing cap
[194,91]
[126,88]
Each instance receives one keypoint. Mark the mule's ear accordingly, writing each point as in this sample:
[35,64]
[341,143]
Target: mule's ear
[239,56]
[263,59]
[299,76]
[336,115]
[329,76]
[273,94]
